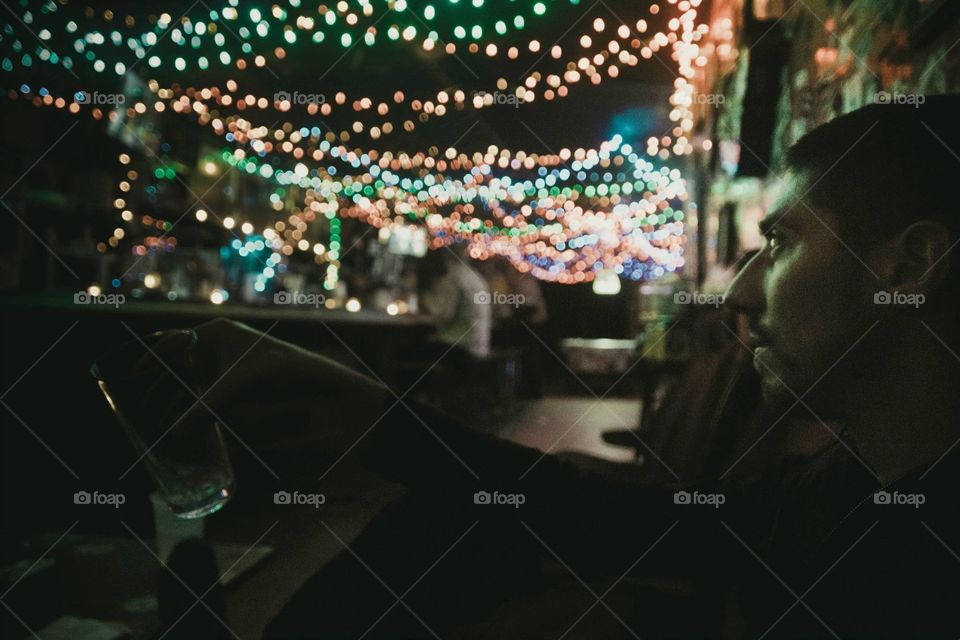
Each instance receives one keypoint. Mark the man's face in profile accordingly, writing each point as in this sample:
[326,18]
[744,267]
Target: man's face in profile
[808,299]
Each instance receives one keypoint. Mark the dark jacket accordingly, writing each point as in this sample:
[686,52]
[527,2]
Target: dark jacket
[812,548]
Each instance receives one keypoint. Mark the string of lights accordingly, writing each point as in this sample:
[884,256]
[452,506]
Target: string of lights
[236,33]
[583,211]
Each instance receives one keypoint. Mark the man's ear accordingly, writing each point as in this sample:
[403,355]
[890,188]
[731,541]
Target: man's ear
[917,260]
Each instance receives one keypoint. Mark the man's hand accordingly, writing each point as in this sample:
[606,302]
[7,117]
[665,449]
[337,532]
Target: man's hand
[290,406]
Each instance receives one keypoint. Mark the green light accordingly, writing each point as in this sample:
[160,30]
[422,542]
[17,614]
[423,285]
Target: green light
[180,64]
[539,8]
[290,36]
[501,27]
[476,32]
[346,39]
[459,32]
[518,22]
[429,12]
[255,15]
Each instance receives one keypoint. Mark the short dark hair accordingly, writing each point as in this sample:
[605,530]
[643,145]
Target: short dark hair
[884,166]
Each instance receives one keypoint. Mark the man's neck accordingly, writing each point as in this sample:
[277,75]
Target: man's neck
[905,416]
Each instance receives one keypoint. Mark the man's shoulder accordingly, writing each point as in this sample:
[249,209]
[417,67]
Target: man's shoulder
[470,279]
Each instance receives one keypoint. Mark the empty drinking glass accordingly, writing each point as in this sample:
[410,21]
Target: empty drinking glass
[153,384]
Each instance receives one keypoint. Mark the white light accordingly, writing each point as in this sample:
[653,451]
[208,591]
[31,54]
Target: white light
[607,283]
[201,215]
[353,305]
[229,222]
[218,296]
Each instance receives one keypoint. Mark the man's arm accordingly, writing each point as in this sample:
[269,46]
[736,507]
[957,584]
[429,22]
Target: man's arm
[309,412]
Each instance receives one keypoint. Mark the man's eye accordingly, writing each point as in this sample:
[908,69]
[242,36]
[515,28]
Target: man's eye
[775,240]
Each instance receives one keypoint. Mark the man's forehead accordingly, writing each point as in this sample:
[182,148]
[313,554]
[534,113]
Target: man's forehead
[791,205]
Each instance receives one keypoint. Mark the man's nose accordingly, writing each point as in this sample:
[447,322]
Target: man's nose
[745,292]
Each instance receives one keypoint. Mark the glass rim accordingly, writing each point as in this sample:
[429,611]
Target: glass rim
[95,368]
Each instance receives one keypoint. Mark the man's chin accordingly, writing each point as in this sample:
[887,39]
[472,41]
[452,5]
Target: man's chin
[777,399]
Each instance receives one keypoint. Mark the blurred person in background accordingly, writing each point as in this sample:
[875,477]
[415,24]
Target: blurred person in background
[458,299]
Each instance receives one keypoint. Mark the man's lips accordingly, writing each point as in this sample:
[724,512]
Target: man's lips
[760,357]
[757,341]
